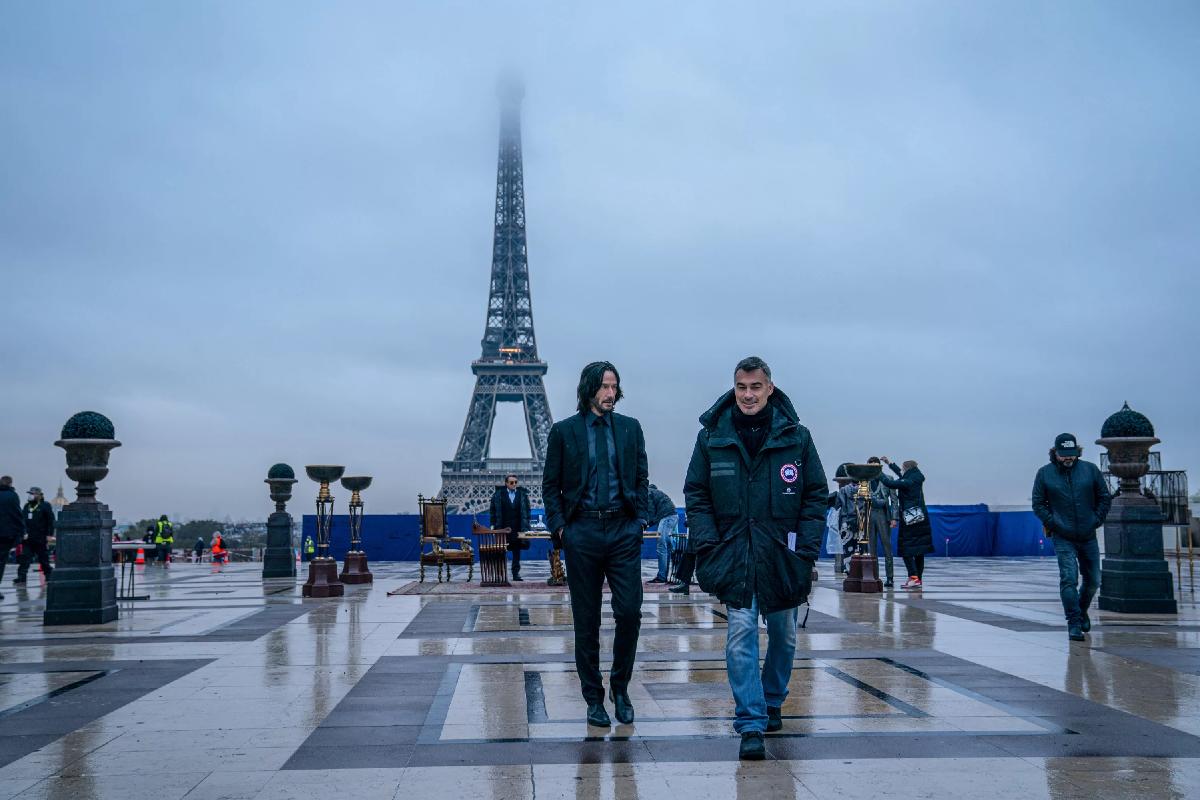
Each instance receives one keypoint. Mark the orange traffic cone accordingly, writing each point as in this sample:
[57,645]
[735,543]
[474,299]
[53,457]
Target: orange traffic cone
[141,557]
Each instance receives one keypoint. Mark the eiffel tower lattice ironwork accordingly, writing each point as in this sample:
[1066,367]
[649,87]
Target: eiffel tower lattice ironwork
[509,369]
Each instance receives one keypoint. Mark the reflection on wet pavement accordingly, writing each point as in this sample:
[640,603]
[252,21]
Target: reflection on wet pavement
[219,686]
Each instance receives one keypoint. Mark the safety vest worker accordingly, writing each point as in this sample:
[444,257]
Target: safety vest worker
[309,548]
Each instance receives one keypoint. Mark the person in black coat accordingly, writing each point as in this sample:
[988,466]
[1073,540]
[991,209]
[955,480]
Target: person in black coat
[510,509]
[12,521]
[756,502]
[39,526]
[916,534]
[595,487]
[1071,499]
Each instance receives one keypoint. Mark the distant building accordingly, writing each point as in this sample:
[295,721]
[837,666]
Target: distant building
[59,501]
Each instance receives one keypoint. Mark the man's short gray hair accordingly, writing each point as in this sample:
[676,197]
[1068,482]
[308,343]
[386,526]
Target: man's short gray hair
[751,363]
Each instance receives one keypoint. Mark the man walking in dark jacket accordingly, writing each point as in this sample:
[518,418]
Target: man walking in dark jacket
[39,526]
[1071,499]
[756,501]
[595,487]
[510,509]
[12,521]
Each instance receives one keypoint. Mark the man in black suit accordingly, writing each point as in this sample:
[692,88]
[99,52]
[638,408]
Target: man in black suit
[596,490]
[510,509]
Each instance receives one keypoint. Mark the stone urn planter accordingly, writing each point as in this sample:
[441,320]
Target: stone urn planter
[279,560]
[88,438]
[82,589]
[1134,576]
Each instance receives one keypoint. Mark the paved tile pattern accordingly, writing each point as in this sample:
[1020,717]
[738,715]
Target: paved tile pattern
[221,685]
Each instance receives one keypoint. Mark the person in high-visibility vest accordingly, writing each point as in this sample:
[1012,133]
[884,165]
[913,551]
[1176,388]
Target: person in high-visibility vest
[218,549]
[309,548]
[164,538]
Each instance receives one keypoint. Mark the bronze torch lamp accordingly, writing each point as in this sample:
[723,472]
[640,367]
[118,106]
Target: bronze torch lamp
[322,570]
[864,570]
[355,569]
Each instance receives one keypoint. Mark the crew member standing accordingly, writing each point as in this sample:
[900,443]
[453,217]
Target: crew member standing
[164,532]
[883,518]
[915,540]
[12,521]
[510,509]
[756,501]
[39,526]
[596,490]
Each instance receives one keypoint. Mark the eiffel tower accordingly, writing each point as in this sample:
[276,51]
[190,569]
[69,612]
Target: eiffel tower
[509,370]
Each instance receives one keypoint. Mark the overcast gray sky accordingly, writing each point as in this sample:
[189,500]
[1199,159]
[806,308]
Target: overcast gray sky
[260,232]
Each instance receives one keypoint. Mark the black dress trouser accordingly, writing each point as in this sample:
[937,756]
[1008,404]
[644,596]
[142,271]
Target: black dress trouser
[597,550]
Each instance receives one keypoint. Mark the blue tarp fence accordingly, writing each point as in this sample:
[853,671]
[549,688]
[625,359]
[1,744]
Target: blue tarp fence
[958,531]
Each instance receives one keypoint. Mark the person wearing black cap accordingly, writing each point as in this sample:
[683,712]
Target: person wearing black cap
[39,526]
[1071,498]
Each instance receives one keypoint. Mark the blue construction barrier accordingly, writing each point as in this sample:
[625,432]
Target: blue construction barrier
[958,531]
[977,531]
[396,537]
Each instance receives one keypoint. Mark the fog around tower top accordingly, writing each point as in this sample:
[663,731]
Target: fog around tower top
[262,233]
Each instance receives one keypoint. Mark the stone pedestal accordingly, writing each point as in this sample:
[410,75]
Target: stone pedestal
[1134,576]
[82,589]
[323,579]
[355,569]
[864,575]
[279,559]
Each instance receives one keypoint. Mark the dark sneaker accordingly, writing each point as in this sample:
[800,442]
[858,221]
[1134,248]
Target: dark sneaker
[1086,623]
[657,579]
[774,719]
[596,715]
[1075,633]
[518,578]
[752,747]
[680,588]
[888,583]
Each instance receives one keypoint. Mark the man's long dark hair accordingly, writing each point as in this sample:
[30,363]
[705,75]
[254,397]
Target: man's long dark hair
[589,383]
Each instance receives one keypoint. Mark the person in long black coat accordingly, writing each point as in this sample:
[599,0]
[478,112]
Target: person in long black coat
[916,534]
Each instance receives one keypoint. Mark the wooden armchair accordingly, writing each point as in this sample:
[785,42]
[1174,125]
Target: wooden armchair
[443,549]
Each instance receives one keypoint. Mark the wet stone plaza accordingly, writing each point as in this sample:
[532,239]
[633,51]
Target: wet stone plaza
[221,685]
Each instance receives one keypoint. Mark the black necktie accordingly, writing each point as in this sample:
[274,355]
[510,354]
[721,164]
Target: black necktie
[602,498]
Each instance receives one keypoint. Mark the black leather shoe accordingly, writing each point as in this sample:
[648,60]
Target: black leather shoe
[518,578]
[774,719]
[622,707]
[1075,634]
[752,748]
[597,716]
[680,588]
[18,580]
[657,579]
[1085,623]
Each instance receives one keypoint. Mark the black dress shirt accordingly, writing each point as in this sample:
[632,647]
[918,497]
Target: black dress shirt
[597,497]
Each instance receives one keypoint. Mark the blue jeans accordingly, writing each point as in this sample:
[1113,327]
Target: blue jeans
[1076,559]
[753,690]
[667,526]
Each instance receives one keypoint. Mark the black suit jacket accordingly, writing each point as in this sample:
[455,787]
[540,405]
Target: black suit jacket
[520,512]
[565,475]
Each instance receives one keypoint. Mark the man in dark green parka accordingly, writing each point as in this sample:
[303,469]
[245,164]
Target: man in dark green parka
[756,498]
[1071,499]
